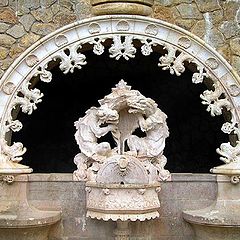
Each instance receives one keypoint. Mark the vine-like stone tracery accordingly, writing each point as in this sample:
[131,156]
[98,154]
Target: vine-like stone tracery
[66,44]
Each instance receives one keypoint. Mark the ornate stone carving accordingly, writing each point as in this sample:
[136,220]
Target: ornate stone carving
[213,99]
[94,28]
[234,90]
[70,59]
[31,60]
[146,48]
[8,88]
[228,152]
[123,180]
[98,47]
[60,40]
[151,29]
[123,25]
[212,63]
[184,42]
[139,112]
[121,48]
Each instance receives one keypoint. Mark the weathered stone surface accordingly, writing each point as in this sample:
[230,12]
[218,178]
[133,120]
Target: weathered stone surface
[236,63]
[25,4]
[214,38]
[55,8]
[176,196]
[3,52]
[199,28]
[225,52]
[4,64]
[43,28]
[235,46]
[28,39]
[231,9]
[230,29]
[7,15]
[15,51]
[27,21]
[3,3]
[163,13]
[67,4]
[6,40]
[169,3]
[185,23]
[16,31]
[182,1]
[189,11]
[64,18]
[1,72]
[49,2]
[208,6]
[216,16]
[4,27]
[43,14]
[166,3]
[83,9]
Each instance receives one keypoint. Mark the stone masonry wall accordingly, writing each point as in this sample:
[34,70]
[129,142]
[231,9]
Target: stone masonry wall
[59,192]
[23,22]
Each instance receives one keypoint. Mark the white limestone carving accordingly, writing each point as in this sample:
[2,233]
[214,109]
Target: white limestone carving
[95,31]
[228,152]
[123,111]
[98,47]
[213,100]
[124,179]
[121,48]
[71,60]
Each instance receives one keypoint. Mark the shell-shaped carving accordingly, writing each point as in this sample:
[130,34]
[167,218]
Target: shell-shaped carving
[8,88]
[212,63]
[151,29]
[123,25]
[184,42]
[234,90]
[94,28]
[61,40]
[31,60]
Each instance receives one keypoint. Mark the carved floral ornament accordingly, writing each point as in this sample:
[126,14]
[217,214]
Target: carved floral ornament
[66,45]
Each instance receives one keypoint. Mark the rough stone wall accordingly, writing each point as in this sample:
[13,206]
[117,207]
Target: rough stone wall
[23,22]
[217,22]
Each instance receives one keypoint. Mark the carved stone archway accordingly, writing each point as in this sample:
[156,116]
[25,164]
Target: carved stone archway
[66,44]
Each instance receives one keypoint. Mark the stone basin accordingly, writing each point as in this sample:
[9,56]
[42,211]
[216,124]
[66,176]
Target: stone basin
[122,201]
[18,219]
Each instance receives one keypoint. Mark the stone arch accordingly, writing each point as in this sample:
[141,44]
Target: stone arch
[65,44]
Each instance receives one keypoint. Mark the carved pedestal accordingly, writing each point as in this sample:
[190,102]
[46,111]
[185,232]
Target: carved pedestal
[19,220]
[122,231]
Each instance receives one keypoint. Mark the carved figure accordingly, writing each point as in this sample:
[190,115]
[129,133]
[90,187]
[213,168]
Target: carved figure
[121,113]
[89,130]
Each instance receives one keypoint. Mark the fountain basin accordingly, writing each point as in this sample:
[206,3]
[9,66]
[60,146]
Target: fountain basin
[18,219]
[122,201]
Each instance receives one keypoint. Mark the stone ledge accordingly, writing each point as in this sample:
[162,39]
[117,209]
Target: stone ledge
[68,177]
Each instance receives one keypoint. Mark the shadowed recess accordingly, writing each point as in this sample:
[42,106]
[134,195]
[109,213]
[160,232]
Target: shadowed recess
[48,133]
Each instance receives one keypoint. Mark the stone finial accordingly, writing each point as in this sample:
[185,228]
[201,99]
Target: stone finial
[136,7]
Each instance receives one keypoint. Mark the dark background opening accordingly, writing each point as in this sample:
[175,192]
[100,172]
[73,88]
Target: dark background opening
[48,133]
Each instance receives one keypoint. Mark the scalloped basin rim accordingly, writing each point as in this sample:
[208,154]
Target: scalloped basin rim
[121,186]
[123,217]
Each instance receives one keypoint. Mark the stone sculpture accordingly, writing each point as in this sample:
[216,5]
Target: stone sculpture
[121,113]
